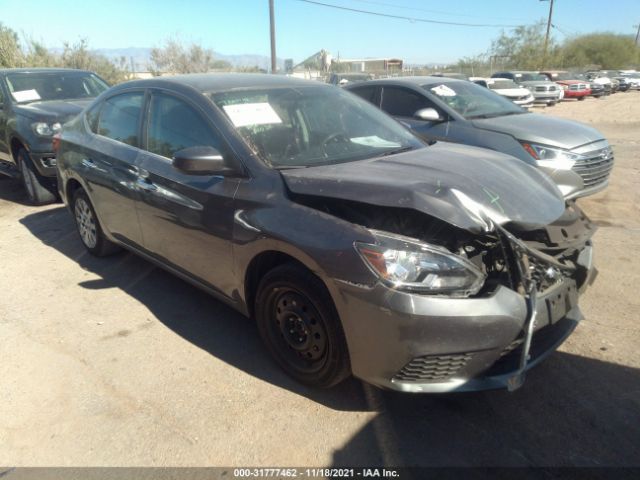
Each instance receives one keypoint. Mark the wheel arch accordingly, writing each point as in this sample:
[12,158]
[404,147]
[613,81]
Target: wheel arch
[260,265]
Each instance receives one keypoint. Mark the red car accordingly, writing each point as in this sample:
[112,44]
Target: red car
[572,87]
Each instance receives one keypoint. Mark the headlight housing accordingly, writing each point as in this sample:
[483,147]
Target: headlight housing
[408,264]
[552,157]
[46,129]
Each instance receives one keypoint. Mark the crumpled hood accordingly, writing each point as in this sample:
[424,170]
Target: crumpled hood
[465,186]
[53,110]
[547,130]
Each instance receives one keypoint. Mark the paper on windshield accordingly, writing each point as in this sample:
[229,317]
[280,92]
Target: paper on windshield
[26,95]
[244,114]
[443,91]
[374,141]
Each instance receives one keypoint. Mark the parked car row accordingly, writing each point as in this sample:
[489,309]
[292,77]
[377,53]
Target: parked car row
[396,251]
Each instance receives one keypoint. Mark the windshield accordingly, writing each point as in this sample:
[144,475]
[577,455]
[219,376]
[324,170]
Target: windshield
[314,125]
[473,101]
[32,87]
[530,77]
[503,84]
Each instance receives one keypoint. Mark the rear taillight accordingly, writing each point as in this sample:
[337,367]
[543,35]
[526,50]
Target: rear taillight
[55,143]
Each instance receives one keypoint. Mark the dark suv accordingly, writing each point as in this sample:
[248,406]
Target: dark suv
[34,103]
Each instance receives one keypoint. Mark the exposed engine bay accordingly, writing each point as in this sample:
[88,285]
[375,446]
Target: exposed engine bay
[517,259]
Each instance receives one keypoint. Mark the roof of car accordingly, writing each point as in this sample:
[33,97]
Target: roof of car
[42,70]
[418,81]
[211,82]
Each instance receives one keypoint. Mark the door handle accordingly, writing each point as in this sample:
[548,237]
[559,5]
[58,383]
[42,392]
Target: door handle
[88,162]
[146,185]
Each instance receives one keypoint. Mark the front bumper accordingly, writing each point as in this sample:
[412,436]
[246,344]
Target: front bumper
[420,343]
[45,163]
[576,93]
[546,98]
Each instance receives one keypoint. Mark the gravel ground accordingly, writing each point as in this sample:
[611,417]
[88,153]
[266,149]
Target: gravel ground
[113,362]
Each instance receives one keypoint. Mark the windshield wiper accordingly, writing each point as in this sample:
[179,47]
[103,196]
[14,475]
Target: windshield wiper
[290,167]
[395,151]
[493,115]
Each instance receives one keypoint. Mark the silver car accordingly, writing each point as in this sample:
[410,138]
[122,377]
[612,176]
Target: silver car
[544,91]
[577,157]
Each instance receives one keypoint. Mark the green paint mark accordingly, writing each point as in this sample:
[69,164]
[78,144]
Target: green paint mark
[438,189]
[494,197]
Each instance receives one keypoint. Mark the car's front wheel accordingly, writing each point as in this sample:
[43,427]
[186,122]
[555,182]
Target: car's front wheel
[89,227]
[39,189]
[300,326]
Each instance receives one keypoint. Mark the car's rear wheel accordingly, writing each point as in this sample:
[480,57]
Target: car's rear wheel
[40,190]
[91,234]
[300,326]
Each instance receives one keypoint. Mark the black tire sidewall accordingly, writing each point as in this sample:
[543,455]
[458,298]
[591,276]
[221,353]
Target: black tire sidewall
[290,276]
[40,186]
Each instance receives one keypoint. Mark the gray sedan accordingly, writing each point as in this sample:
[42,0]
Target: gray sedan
[355,246]
[577,157]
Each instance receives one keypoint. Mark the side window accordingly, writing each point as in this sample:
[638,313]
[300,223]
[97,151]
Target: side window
[401,102]
[173,125]
[366,93]
[120,116]
[92,117]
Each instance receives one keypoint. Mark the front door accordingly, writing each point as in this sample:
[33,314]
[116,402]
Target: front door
[186,220]
[403,103]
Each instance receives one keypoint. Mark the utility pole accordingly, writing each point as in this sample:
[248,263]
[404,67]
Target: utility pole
[546,37]
[637,34]
[272,21]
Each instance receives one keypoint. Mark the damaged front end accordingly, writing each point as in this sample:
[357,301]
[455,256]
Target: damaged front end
[445,276]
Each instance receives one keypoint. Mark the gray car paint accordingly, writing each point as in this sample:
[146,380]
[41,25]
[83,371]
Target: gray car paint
[503,134]
[249,216]
[455,183]
[542,129]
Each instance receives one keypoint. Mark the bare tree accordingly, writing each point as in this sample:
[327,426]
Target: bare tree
[174,57]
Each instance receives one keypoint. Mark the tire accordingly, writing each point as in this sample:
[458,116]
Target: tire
[89,229]
[40,190]
[580,99]
[300,327]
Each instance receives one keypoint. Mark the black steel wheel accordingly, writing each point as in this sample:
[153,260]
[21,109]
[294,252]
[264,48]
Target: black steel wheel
[300,327]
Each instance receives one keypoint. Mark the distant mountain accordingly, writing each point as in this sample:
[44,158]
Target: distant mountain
[140,58]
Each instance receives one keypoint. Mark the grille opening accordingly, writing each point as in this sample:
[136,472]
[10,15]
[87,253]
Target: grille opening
[432,368]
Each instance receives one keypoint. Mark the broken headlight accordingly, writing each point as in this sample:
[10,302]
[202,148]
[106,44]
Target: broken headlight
[408,264]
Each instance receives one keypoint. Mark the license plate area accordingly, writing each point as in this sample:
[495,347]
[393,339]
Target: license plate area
[560,300]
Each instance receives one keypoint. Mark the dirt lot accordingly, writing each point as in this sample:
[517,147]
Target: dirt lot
[109,362]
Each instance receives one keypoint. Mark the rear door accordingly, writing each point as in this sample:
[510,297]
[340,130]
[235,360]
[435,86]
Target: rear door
[186,220]
[108,163]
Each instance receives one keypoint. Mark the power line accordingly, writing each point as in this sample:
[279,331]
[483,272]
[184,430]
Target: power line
[402,17]
[438,12]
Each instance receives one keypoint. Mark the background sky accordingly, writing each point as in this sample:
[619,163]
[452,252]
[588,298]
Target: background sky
[242,26]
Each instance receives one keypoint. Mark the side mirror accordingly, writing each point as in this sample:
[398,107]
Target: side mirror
[201,161]
[428,114]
